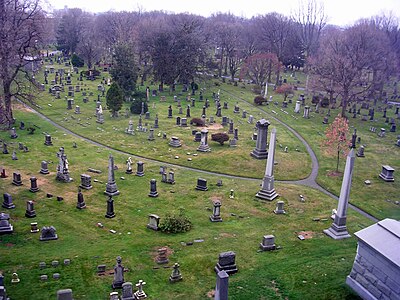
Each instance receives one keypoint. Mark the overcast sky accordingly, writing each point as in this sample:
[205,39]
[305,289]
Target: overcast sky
[340,12]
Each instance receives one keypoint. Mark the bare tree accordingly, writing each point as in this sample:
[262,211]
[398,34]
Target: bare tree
[70,28]
[311,19]
[21,28]
[260,67]
[89,47]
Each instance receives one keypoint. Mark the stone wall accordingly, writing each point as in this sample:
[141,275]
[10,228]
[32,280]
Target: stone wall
[374,276]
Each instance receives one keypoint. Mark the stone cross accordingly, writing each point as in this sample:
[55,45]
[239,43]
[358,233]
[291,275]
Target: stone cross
[338,228]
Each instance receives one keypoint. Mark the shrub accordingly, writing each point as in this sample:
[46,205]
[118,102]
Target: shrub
[77,61]
[220,137]
[197,122]
[136,106]
[259,100]
[176,223]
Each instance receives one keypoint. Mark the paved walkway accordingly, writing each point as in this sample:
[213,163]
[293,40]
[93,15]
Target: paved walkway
[310,181]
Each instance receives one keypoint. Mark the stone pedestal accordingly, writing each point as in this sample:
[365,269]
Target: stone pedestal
[44,168]
[260,152]
[204,141]
[176,274]
[5,225]
[17,179]
[47,140]
[387,173]
[48,233]
[221,287]
[226,262]
[140,169]
[34,188]
[80,201]
[86,182]
[175,142]
[201,184]
[7,202]
[216,216]
[268,243]
[110,208]
[153,188]
[30,211]
[279,208]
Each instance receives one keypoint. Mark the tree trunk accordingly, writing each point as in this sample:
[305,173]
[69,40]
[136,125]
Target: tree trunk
[6,114]
[344,103]
[337,163]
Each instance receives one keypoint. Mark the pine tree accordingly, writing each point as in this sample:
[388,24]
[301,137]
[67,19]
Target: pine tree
[115,98]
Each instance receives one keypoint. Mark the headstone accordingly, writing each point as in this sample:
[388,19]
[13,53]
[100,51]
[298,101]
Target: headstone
[15,278]
[170,111]
[387,173]
[260,152]
[226,262]
[111,187]
[30,210]
[110,208]
[297,108]
[221,287]
[162,256]
[7,202]
[34,227]
[233,142]
[393,128]
[279,208]
[86,182]
[224,121]
[230,126]
[114,296]
[325,121]
[268,243]
[140,294]
[178,121]
[127,291]
[118,274]
[175,142]
[140,169]
[306,114]
[62,167]
[184,122]
[236,134]
[338,229]
[70,102]
[34,188]
[13,133]
[154,220]
[203,147]
[17,179]
[5,150]
[47,140]
[48,233]
[251,119]
[153,188]
[176,274]
[44,168]
[216,216]
[197,136]
[14,156]
[3,173]
[81,201]
[360,152]
[65,294]
[201,184]
[5,225]
[156,122]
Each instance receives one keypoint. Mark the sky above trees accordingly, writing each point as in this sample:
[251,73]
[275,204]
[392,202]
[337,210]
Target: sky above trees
[340,12]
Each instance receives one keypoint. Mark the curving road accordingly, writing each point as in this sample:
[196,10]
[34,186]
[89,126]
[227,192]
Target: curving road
[310,181]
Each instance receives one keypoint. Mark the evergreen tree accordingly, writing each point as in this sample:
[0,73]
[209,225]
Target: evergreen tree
[115,98]
[124,70]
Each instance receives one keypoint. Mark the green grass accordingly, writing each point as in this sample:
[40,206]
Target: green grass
[294,271]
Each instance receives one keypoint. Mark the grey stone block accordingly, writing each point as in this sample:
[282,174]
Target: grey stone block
[394,286]
[374,291]
[370,277]
[394,296]
[358,268]
[383,288]
[379,274]
[361,280]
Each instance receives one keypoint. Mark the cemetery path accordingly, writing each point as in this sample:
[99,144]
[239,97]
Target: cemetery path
[310,181]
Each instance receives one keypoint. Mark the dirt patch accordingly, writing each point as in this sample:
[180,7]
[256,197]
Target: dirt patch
[214,127]
[215,198]
[307,234]
[21,107]
[154,252]
[227,235]
[334,174]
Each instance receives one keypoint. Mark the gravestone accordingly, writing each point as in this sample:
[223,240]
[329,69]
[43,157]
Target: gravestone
[77,109]
[279,208]
[226,262]
[65,294]
[188,111]
[127,291]
[236,134]
[216,216]
[230,131]
[224,121]
[244,114]
[3,173]
[260,152]
[86,182]
[17,179]
[297,107]
[178,121]
[34,188]
[140,169]
[30,210]
[80,201]
[360,152]
[153,188]
[393,128]
[325,121]
[175,142]
[306,114]
[111,187]
[44,168]
[34,227]
[162,256]
[197,136]
[110,208]
[63,167]
[376,268]
[387,173]
[5,150]
[14,156]
[268,243]
[13,133]
[47,140]
[251,119]
[176,274]
[7,201]
[118,274]
[156,122]
[170,112]
[5,225]
[203,147]
[140,294]
[184,122]
[48,233]
[218,113]
[201,184]
[221,287]
[338,229]
[154,220]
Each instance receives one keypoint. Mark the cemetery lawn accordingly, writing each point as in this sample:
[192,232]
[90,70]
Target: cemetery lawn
[315,268]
